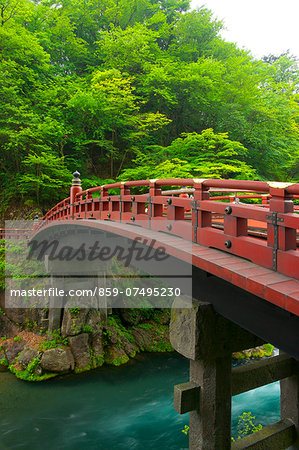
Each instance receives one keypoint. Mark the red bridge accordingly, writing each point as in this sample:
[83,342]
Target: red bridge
[245,263]
[257,243]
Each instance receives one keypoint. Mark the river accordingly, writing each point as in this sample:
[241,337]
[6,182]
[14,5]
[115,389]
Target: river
[126,407]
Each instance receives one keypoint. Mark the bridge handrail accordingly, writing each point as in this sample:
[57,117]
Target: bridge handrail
[253,186]
[248,185]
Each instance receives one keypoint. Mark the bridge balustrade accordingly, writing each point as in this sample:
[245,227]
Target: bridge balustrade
[262,233]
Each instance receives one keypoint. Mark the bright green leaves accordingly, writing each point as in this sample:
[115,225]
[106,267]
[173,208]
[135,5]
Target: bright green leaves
[170,168]
[14,10]
[194,34]
[129,49]
[115,90]
[206,155]
[107,122]
[136,87]
[46,178]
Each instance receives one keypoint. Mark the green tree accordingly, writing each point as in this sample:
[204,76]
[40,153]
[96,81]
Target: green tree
[203,155]
[46,178]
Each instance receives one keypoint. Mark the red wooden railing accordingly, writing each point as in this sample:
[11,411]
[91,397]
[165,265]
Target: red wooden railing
[215,223]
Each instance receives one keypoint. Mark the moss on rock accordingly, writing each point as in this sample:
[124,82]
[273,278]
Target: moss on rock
[116,356]
[257,352]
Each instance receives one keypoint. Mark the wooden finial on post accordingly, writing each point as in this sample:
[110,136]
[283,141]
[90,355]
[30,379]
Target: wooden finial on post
[75,189]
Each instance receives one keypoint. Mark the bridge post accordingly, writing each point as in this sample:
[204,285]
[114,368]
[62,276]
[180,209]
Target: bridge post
[208,340]
[280,237]
[210,422]
[75,189]
[55,311]
[200,218]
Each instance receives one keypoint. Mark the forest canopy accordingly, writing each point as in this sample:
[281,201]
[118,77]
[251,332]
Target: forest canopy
[132,89]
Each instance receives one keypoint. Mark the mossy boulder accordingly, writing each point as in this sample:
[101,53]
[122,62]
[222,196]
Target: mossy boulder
[129,347]
[256,352]
[12,349]
[115,356]
[95,320]
[27,355]
[97,352]
[73,321]
[130,316]
[3,361]
[152,337]
[162,317]
[57,360]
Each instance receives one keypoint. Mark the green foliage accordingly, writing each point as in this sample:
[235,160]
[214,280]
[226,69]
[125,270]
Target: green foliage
[87,329]
[45,173]
[185,430]
[28,373]
[206,155]
[75,311]
[246,425]
[114,321]
[133,89]
[54,339]
[268,349]
[33,365]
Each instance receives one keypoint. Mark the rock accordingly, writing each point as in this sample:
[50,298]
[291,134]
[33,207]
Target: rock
[98,349]
[57,360]
[73,322]
[154,338]
[143,338]
[256,352]
[38,370]
[17,315]
[129,347]
[27,355]
[12,350]
[23,316]
[115,356]
[7,327]
[95,320]
[3,361]
[162,317]
[130,316]
[80,349]
[112,333]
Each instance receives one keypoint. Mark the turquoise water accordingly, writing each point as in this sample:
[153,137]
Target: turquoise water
[126,407]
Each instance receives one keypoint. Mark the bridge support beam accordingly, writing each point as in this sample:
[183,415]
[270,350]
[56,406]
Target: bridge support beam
[208,340]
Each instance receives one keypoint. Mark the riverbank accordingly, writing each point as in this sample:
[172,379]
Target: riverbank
[87,340]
